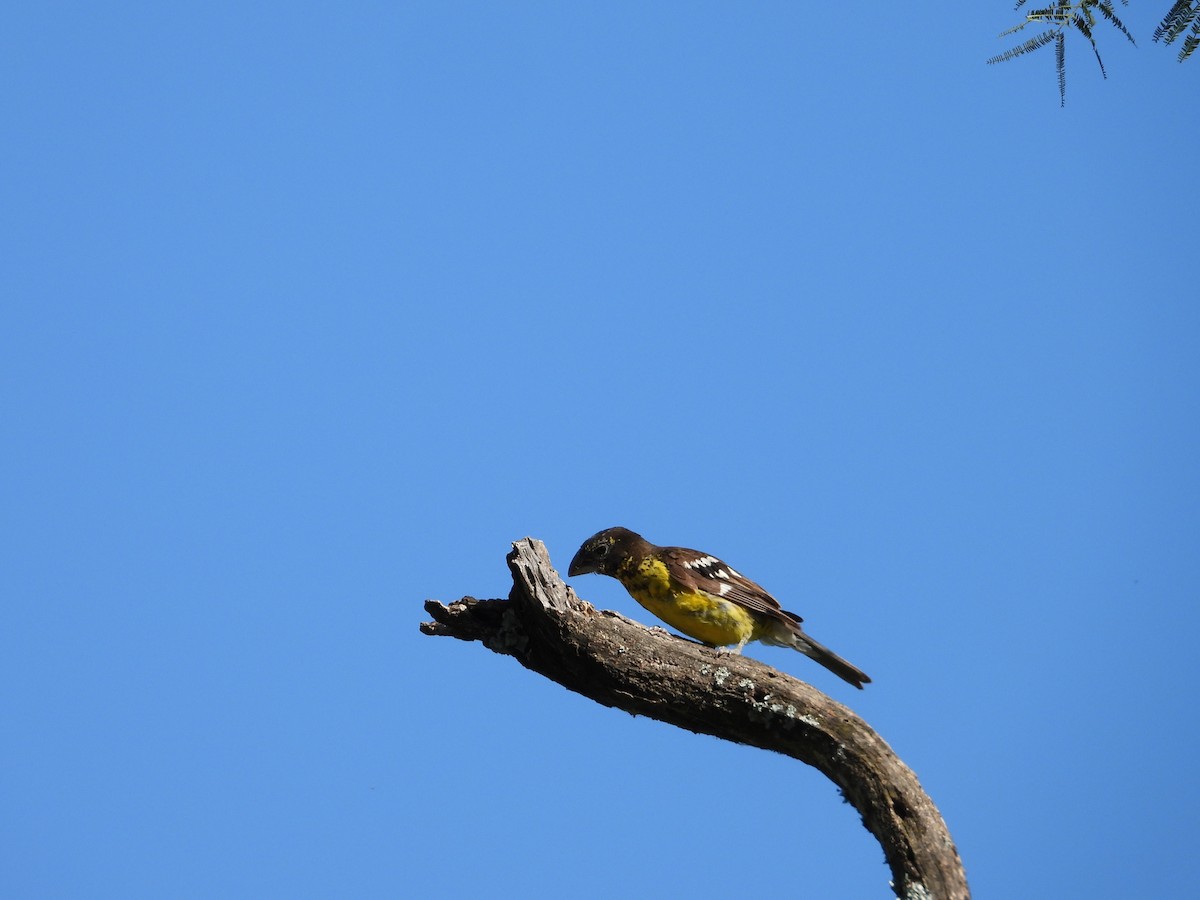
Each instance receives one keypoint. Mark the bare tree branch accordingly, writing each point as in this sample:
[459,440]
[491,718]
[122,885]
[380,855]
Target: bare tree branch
[622,664]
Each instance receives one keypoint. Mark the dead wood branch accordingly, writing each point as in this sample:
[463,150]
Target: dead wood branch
[622,664]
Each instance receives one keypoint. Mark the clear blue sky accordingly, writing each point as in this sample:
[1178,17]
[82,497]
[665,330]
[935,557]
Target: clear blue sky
[309,313]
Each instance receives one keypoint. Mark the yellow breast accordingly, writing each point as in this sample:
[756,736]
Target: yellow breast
[704,617]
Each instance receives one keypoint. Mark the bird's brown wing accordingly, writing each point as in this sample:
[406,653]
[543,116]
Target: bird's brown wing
[703,572]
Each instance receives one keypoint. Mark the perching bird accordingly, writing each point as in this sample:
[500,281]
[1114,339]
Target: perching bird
[701,596]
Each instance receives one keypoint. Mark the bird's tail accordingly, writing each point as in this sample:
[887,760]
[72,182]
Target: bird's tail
[830,660]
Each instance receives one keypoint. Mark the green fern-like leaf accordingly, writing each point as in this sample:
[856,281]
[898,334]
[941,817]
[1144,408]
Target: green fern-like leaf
[1028,47]
[1014,29]
[1081,26]
[1106,10]
[1059,12]
[1060,63]
[1176,21]
[1190,43]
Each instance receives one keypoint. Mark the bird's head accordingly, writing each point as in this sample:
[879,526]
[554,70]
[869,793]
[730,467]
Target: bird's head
[601,553]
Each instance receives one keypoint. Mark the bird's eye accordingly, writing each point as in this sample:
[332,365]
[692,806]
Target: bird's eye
[602,551]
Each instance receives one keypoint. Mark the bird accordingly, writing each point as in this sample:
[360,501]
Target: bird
[703,597]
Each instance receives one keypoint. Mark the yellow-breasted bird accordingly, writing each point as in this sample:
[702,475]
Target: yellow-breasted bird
[701,596]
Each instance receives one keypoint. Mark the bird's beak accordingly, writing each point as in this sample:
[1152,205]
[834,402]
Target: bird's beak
[578,566]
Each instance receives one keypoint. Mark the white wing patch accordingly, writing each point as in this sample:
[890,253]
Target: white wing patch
[714,568]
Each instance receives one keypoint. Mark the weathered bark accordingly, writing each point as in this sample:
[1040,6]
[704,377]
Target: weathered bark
[620,663]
